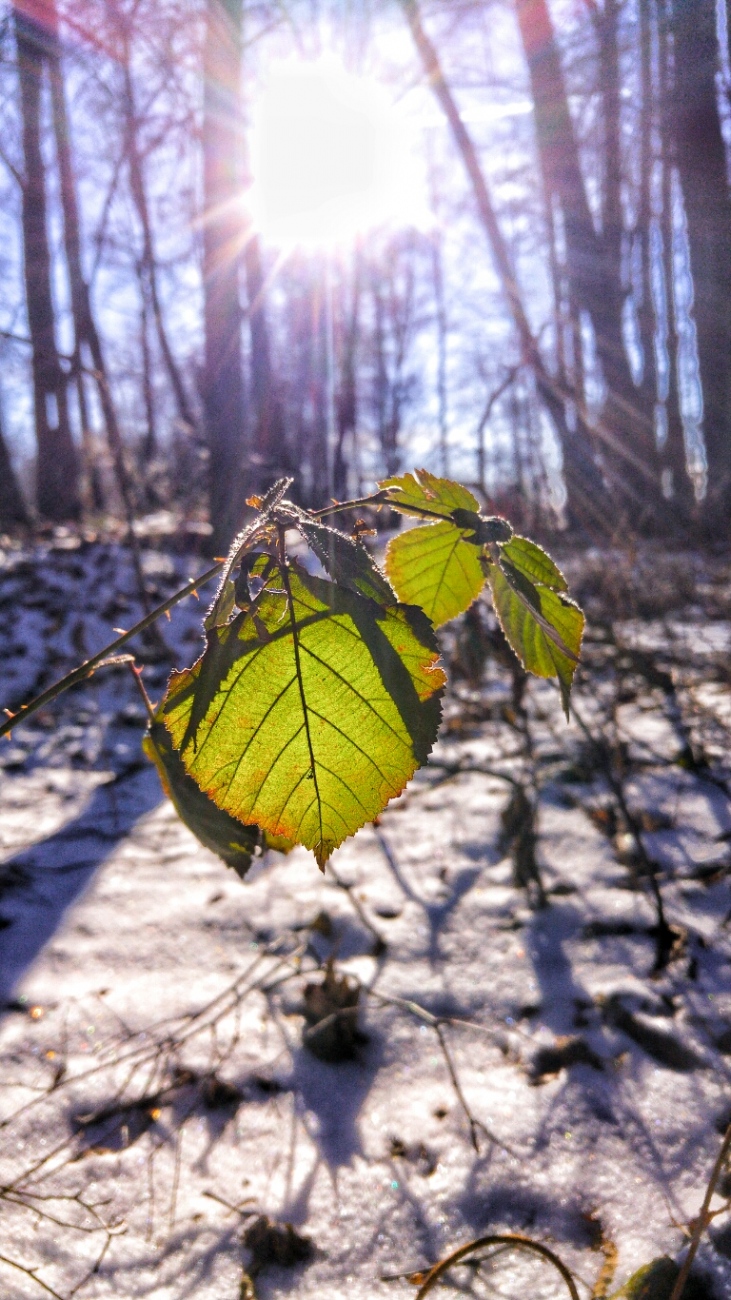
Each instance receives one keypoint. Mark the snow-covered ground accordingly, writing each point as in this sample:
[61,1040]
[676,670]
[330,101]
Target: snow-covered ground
[515,1067]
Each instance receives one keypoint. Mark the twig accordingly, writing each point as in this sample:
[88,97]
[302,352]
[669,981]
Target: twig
[437,1024]
[475,1124]
[380,944]
[665,933]
[30,1272]
[88,667]
[704,1218]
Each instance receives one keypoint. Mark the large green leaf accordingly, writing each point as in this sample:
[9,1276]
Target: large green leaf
[544,627]
[437,568]
[215,829]
[308,714]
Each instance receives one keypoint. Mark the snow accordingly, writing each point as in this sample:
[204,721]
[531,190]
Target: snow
[120,930]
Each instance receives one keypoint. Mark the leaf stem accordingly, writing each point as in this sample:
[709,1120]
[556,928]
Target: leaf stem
[379,498]
[87,668]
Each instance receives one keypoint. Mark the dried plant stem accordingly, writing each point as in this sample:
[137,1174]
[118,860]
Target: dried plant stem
[704,1217]
[512,1239]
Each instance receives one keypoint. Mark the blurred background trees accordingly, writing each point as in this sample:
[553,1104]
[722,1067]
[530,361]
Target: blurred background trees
[551,322]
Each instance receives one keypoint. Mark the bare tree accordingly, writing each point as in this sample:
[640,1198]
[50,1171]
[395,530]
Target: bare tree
[57,475]
[588,502]
[12,506]
[702,164]
[223,384]
[593,260]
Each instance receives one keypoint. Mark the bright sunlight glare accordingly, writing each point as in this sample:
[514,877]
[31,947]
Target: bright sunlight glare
[332,157]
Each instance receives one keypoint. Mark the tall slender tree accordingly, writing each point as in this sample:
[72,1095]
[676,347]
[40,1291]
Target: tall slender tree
[13,510]
[593,258]
[588,502]
[702,164]
[57,471]
[223,381]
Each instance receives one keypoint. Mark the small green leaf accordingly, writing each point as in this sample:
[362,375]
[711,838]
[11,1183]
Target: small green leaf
[437,568]
[222,834]
[533,562]
[653,1281]
[543,626]
[310,730]
[347,561]
[423,494]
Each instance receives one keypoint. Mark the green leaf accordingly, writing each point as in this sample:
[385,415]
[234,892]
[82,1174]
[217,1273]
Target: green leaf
[533,562]
[215,829]
[347,561]
[437,568]
[543,626]
[307,717]
[413,494]
[653,1281]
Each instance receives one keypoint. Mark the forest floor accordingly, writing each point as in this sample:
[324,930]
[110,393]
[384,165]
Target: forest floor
[526,967]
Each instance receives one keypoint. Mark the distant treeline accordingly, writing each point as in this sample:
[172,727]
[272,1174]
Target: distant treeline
[561,335]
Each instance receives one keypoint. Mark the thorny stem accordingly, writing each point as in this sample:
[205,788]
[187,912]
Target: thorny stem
[514,1239]
[704,1218]
[88,667]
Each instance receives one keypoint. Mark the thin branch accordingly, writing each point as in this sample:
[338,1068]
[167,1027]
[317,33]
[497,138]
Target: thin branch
[704,1217]
[90,665]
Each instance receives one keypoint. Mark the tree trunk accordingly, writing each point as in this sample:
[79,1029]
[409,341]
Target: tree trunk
[674,451]
[84,324]
[588,503]
[147,262]
[223,385]
[80,306]
[57,473]
[701,159]
[593,261]
[12,506]
[268,459]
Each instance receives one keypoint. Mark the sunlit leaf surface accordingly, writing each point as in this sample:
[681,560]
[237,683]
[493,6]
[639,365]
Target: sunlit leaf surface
[414,493]
[437,568]
[308,713]
[544,627]
[533,562]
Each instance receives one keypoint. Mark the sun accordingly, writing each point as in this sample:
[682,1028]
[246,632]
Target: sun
[332,157]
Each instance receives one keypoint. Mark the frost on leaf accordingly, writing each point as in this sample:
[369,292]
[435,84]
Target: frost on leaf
[310,710]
